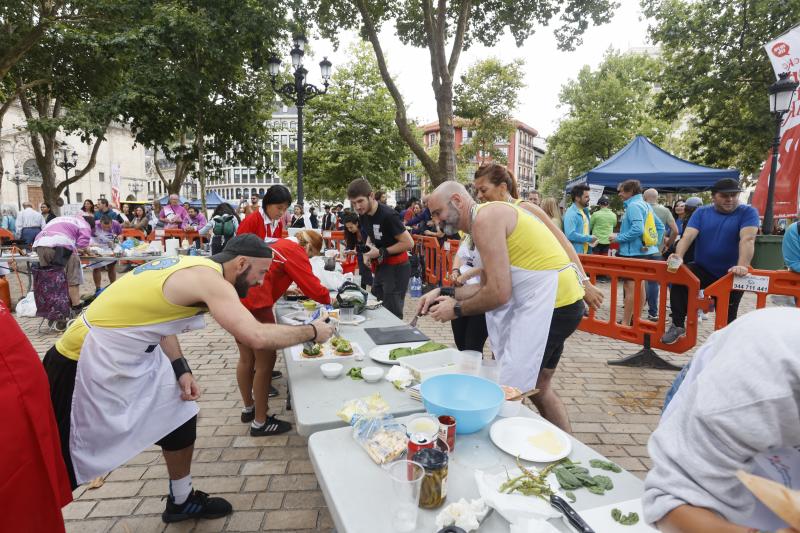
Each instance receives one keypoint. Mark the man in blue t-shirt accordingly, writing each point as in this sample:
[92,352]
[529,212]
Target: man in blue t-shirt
[724,234]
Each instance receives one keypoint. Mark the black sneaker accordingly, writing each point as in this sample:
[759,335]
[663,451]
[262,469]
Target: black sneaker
[248,416]
[273,426]
[277,374]
[273,392]
[197,505]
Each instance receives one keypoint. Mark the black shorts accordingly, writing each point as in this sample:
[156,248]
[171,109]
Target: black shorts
[565,321]
[61,372]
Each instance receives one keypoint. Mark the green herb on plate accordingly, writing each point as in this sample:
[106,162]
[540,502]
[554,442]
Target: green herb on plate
[355,373]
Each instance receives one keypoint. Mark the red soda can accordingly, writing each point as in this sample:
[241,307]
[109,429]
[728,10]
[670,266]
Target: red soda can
[447,431]
[419,441]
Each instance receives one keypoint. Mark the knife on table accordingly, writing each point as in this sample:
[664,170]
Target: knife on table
[570,514]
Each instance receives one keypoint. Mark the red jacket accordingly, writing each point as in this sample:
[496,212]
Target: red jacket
[33,479]
[254,223]
[289,264]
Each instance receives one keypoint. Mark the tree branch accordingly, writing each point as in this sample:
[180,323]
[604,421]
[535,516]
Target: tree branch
[458,41]
[85,170]
[441,38]
[430,32]
[400,108]
[158,168]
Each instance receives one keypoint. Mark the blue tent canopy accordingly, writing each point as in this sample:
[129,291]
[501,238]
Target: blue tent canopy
[165,200]
[654,168]
[212,201]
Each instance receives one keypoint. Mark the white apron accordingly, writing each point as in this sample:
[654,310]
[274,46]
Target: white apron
[126,396]
[518,330]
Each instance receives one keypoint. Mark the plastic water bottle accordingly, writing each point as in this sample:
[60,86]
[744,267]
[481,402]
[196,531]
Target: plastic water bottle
[415,287]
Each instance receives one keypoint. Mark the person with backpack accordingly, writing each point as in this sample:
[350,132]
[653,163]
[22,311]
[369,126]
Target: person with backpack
[222,227]
[638,237]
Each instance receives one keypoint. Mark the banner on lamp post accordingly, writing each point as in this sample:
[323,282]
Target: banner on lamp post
[115,185]
[784,53]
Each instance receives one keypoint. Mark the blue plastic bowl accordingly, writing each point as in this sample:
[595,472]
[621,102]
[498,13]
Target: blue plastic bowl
[473,401]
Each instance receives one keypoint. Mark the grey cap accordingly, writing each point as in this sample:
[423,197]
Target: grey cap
[693,201]
[247,244]
[603,200]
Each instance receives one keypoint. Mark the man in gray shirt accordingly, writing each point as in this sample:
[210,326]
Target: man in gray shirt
[737,409]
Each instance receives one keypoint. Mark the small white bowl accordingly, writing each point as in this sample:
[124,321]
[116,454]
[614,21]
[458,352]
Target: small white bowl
[371,374]
[510,408]
[331,370]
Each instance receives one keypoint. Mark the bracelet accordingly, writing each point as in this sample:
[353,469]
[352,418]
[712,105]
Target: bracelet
[180,367]
[314,337]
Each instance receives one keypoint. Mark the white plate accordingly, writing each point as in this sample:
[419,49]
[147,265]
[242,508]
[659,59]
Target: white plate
[381,353]
[357,319]
[511,435]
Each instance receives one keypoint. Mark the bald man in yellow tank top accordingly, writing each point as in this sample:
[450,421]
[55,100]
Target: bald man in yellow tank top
[530,291]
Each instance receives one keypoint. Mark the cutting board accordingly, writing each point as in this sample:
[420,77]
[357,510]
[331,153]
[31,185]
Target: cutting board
[395,335]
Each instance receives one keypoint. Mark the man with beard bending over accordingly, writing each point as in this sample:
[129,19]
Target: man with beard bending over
[119,381]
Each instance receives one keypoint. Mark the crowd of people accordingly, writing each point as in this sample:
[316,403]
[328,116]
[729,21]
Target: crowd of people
[500,287]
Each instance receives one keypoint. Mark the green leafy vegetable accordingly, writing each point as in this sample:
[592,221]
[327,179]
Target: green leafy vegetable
[605,465]
[570,496]
[572,476]
[529,483]
[429,346]
[355,373]
[626,520]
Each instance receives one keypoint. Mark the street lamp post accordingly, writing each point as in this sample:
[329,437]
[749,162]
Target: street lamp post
[298,93]
[135,186]
[781,94]
[67,165]
[18,178]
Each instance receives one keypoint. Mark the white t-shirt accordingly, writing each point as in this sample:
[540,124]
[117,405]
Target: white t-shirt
[469,259]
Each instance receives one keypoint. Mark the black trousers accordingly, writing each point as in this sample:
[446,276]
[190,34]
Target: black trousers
[679,296]
[390,285]
[470,332]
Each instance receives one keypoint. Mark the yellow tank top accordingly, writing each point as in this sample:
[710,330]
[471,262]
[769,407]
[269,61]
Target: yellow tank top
[532,246]
[136,299]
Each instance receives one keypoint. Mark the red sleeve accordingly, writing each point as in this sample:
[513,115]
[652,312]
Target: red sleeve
[252,223]
[298,269]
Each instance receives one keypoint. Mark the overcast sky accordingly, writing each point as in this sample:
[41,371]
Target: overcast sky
[547,68]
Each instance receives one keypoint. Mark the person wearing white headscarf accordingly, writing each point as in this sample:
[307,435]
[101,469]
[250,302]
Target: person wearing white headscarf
[738,408]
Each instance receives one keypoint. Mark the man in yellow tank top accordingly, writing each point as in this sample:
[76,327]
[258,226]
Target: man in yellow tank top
[119,381]
[532,295]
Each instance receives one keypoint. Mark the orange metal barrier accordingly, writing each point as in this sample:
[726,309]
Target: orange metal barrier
[780,282]
[5,234]
[433,260]
[135,233]
[642,331]
[448,255]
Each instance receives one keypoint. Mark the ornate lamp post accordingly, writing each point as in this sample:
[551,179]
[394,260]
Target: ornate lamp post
[781,94]
[66,164]
[135,186]
[18,178]
[298,93]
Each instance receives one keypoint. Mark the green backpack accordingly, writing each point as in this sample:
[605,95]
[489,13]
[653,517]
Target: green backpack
[650,234]
[223,225]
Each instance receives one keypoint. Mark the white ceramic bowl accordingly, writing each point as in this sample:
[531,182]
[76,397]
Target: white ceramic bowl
[510,408]
[371,374]
[331,370]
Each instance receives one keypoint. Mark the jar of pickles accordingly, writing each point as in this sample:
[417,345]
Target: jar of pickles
[434,484]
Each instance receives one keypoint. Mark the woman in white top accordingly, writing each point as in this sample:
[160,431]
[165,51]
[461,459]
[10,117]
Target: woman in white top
[469,332]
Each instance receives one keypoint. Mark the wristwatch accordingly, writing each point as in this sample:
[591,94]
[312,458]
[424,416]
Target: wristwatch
[447,291]
[457,310]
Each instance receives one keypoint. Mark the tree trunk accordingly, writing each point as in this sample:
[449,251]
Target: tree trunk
[201,149]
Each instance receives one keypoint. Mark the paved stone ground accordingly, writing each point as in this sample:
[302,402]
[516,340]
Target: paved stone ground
[271,482]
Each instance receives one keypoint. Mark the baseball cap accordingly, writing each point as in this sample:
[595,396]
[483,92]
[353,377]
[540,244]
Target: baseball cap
[726,185]
[247,244]
[693,201]
[603,200]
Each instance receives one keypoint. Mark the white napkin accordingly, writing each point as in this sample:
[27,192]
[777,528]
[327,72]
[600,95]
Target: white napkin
[464,514]
[515,508]
[399,376]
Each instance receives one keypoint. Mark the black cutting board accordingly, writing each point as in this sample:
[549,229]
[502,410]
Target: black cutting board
[395,335]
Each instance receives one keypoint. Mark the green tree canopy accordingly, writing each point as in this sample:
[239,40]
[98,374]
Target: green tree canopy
[199,89]
[350,133]
[455,25]
[716,73]
[605,109]
[486,97]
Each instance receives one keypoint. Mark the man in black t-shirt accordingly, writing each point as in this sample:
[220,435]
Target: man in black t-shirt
[389,243]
